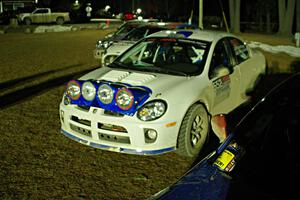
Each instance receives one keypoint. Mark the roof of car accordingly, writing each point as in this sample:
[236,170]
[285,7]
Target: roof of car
[206,35]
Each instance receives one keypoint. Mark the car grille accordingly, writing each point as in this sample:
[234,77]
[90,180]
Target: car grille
[81,121]
[112,127]
[102,136]
[114,114]
[80,130]
[114,138]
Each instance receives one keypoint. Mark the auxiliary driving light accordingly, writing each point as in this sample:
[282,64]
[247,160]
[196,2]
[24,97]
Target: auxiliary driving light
[73,90]
[88,91]
[150,135]
[124,99]
[105,94]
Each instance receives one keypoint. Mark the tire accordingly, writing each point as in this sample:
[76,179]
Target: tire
[60,20]
[193,132]
[27,21]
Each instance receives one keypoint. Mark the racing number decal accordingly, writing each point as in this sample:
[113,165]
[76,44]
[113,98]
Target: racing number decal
[222,88]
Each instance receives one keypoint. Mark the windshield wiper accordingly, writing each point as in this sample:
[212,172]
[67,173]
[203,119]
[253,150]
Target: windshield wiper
[116,64]
[120,65]
[168,70]
[162,69]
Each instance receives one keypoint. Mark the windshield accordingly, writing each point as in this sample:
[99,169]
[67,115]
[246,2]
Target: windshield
[165,55]
[141,32]
[126,29]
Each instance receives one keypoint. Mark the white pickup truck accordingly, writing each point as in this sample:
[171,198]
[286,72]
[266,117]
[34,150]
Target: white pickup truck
[43,15]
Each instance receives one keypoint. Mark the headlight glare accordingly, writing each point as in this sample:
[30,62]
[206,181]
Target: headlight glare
[88,91]
[152,110]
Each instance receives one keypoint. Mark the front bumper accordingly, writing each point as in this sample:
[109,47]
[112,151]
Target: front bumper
[98,53]
[126,135]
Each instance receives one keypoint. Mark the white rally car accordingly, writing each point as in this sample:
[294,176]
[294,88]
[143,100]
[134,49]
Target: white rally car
[159,94]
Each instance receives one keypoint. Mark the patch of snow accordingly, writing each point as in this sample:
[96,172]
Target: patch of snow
[290,50]
[54,28]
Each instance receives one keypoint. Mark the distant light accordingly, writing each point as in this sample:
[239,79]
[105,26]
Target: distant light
[107,8]
[140,18]
[76,2]
[138,10]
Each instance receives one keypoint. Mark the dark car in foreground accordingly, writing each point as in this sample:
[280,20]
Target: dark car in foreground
[259,159]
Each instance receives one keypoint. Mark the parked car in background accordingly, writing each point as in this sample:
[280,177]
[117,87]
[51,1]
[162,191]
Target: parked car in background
[159,94]
[121,32]
[43,15]
[258,159]
[117,47]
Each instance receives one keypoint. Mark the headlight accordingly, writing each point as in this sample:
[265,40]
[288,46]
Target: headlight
[152,110]
[124,99]
[88,91]
[73,90]
[105,94]
[103,44]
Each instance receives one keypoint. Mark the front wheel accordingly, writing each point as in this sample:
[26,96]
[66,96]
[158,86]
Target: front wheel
[27,21]
[60,20]
[193,132]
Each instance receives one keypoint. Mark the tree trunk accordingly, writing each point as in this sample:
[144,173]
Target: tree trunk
[268,21]
[234,10]
[286,16]
[298,16]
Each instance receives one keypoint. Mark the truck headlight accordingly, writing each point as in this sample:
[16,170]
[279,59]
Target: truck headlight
[105,94]
[152,110]
[73,90]
[88,91]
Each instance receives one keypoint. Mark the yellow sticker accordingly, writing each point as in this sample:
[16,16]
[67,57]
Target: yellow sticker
[224,159]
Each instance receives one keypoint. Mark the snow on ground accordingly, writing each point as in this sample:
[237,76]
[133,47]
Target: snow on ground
[54,28]
[290,50]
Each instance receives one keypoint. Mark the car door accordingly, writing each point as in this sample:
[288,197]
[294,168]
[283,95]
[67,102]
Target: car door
[39,16]
[224,78]
[245,65]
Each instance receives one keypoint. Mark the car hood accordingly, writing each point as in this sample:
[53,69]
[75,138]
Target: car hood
[155,81]
[119,47]
[204,181]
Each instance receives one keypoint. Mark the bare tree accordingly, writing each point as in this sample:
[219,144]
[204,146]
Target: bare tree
[286,10]
[298,16]
[234,11]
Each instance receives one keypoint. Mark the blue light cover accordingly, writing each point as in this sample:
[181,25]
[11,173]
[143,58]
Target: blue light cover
[140,95]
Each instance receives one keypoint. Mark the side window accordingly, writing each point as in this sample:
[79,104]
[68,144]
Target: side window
[220,58]
[41,11]
[239,50]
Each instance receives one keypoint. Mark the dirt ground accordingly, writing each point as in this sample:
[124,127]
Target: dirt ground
[36,160]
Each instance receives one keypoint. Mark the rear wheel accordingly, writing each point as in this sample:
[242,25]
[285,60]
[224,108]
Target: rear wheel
[193,132]
[60,20]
